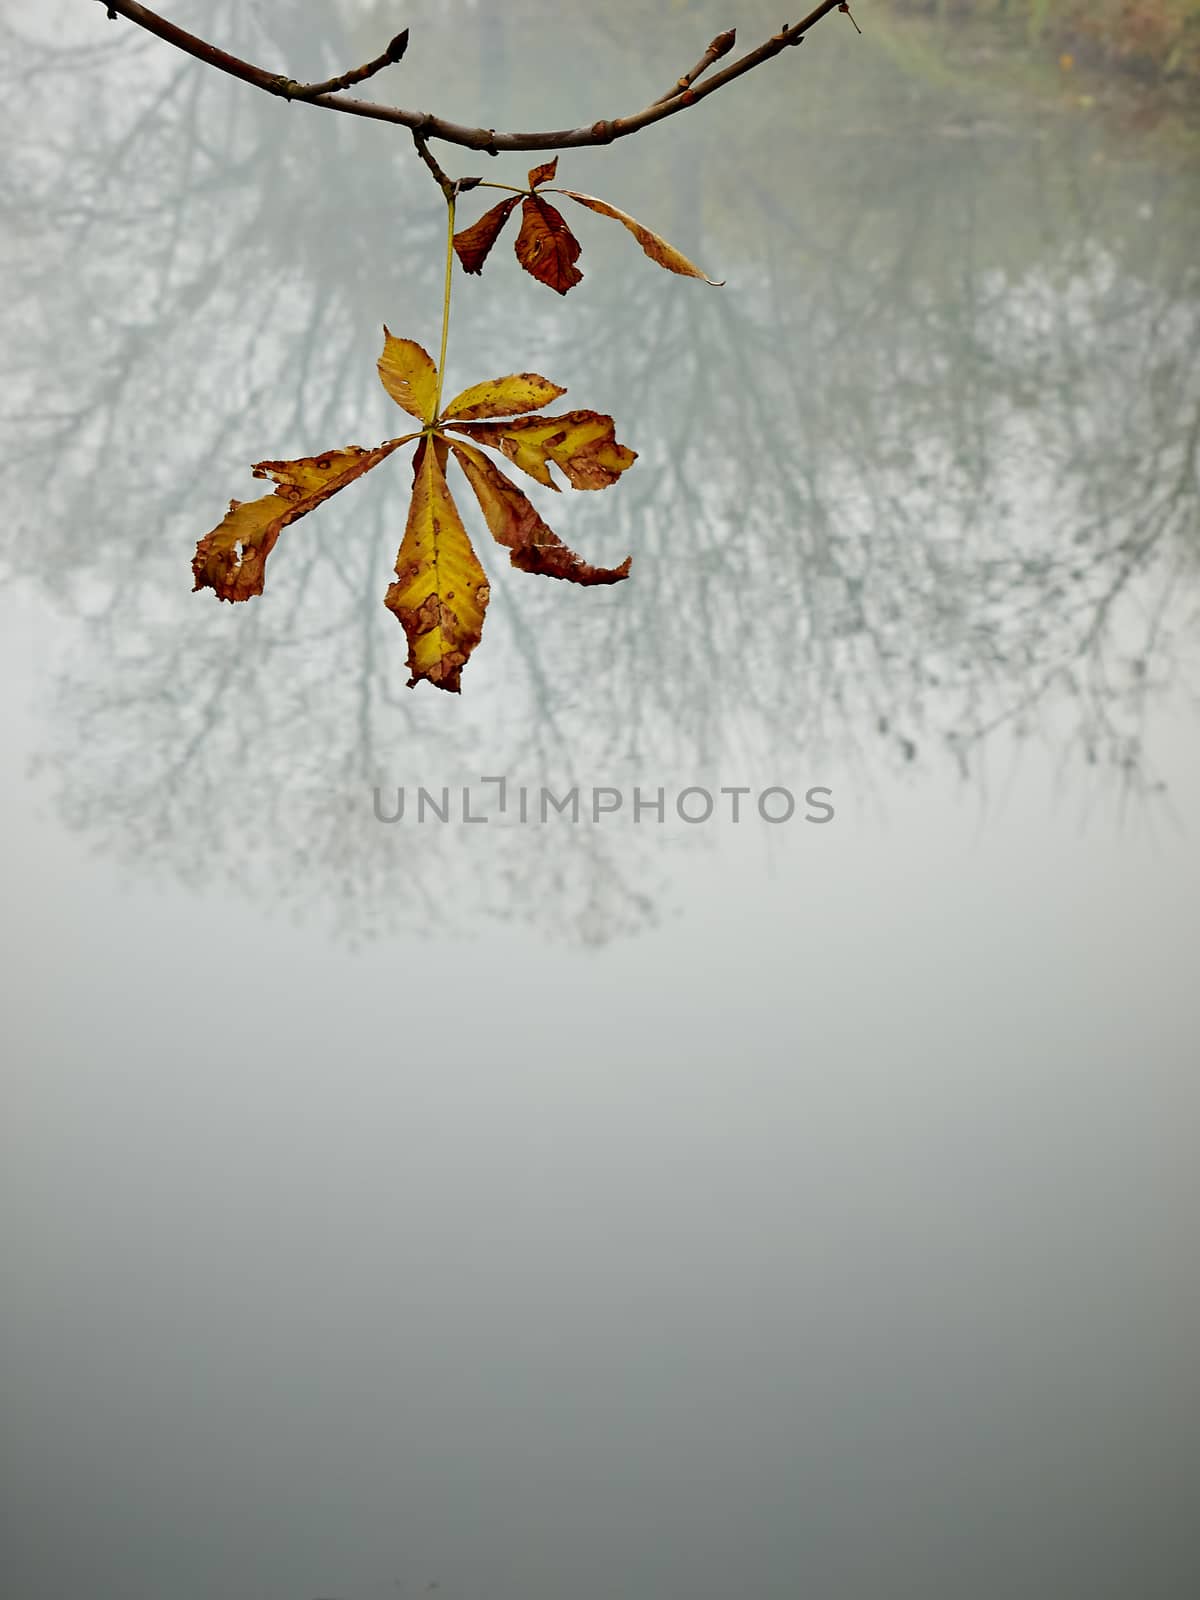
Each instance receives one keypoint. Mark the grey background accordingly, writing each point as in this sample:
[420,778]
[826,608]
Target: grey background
[572,1211]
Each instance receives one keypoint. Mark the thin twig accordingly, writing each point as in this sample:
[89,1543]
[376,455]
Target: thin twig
[393,53]
[721,46]
[444,182]
[432,127]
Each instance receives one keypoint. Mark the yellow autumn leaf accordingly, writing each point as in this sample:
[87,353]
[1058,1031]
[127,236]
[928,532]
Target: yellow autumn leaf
[408,374]
[231,559]
[581,443]
[655,247]
[514,522]
[440,593]
[503,397]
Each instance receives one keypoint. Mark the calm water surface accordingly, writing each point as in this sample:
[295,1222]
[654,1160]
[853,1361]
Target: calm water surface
[637,1208]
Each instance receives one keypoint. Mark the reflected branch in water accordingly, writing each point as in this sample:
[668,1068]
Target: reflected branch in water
[922,478]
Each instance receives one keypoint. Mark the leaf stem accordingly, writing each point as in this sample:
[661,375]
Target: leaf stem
[441,372]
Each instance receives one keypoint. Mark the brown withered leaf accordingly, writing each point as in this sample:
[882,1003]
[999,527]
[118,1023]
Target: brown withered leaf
[503,397]
[656,248]
[581,443]
[543,174]
[546,247]
[440,593]
[472,245]
[515,522]
[231,559]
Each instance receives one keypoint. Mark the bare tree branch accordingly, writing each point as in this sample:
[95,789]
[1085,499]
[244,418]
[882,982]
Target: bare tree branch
[430,126]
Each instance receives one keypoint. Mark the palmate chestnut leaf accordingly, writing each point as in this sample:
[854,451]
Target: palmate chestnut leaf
[440,592]
[546,247]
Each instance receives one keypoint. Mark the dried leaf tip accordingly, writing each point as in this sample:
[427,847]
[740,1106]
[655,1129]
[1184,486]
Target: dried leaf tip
[655,247]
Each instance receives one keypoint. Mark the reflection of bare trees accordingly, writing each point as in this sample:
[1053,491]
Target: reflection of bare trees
[925,471]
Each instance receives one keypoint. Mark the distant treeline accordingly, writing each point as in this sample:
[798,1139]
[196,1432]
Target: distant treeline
[1159,38]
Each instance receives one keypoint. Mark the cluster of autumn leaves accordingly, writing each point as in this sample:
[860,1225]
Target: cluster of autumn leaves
[440,592]
[545,246]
